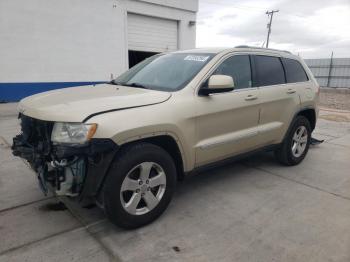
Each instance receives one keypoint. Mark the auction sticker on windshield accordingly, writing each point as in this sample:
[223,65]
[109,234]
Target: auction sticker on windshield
[198,58]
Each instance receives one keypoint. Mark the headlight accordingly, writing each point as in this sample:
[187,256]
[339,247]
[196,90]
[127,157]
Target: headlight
[72,133]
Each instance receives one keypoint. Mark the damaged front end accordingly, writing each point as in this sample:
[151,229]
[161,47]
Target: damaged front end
[76,169]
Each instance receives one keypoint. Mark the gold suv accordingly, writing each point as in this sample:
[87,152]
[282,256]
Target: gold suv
[124,144]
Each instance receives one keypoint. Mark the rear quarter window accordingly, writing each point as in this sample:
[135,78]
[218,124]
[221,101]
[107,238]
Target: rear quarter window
[294,71]
[269,70]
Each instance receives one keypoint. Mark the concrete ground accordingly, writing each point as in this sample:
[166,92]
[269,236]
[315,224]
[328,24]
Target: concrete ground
[252,210]
[337,98]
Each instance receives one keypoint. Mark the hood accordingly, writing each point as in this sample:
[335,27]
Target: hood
[77,103]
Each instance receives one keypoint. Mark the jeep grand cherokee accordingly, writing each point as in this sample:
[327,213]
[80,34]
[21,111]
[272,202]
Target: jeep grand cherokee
[124,144]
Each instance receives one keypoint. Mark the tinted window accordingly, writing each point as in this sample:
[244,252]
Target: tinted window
[294,71]
[269,70]
[239,68]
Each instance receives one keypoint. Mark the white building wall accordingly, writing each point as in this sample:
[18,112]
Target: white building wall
[187,33]
[77,40]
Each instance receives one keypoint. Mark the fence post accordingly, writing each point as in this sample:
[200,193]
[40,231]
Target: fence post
[330,70]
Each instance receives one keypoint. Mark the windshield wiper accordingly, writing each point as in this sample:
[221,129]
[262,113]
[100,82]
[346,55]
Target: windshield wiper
[138,85]
[113,82]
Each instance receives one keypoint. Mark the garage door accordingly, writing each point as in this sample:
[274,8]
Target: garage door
[151,34]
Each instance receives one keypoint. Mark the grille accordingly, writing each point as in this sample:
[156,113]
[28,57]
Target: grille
[35,131]
[33,144]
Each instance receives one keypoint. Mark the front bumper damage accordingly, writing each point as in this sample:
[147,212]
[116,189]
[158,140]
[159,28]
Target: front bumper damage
[76,170]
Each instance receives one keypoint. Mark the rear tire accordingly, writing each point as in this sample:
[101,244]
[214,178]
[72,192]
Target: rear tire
[296,143]
[139,185]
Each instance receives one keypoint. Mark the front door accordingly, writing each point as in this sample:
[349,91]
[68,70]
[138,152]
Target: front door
[227,123]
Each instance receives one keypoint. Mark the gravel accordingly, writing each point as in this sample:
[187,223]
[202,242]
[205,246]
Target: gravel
[335,100]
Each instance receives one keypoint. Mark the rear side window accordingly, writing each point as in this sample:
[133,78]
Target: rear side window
[269,70]
[294,71]
[238,67]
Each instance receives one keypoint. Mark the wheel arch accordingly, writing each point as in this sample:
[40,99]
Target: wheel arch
[310,115]
[170,144]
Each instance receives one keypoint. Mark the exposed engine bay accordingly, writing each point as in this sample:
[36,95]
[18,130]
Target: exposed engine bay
[62,168]
[65,177]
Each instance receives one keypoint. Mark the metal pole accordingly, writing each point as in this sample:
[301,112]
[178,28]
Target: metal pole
[270,14]
[330,70]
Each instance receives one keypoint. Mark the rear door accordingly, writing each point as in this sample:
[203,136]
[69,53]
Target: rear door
[278,100]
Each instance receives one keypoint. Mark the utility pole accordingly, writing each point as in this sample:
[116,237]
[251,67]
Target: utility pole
[270,14]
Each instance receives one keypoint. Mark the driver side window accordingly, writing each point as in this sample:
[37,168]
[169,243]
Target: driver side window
[238,67]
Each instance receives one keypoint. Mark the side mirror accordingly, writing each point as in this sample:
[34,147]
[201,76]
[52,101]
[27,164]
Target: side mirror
[218,84]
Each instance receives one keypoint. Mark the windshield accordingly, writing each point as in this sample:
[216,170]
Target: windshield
[166,72]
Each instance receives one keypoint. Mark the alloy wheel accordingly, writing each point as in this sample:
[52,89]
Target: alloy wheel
[143,188]
[299,142]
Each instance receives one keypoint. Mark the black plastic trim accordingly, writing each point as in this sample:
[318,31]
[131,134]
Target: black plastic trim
[232,159]
[253,71]
[96,175]
[295,115]
[205,91]
[95,146]
[284,70]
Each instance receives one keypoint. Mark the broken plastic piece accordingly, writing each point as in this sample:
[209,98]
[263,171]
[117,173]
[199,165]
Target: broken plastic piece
[315,141]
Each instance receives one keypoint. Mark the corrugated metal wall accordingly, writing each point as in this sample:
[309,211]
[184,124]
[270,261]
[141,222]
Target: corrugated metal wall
[151,34]
[333,72]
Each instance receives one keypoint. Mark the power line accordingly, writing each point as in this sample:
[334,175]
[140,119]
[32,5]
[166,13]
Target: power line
[270,14]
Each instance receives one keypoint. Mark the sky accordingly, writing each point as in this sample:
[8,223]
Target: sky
[310,28]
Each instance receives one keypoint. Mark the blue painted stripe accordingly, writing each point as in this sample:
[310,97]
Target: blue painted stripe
[12,92]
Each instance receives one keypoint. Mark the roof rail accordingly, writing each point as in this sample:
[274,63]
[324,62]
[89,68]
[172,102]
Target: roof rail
[256,47]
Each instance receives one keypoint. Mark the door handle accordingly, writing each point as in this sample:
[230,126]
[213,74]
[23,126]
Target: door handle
[250,97]
[291,91]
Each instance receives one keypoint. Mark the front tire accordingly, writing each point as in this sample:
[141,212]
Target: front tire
[296,144]
[139,185]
